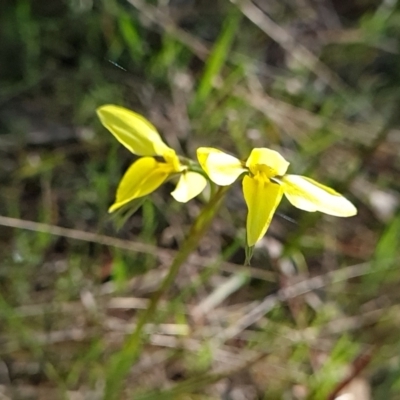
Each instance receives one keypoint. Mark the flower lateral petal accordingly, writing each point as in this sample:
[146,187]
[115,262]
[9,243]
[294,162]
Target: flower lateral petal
[142,177]
[309,195]
[262,198]
[190,184]
[276,164]
[223,169]
[132,130]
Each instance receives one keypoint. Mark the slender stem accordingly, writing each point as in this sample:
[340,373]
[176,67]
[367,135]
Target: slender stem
[121,362]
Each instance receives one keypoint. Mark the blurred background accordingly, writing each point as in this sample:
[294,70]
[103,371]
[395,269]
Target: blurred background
[317,314]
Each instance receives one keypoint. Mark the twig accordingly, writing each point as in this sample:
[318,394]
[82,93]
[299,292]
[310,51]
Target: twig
[161,19]
[358,365]
[291,292]
[82,236]
[288,43]
[128,245]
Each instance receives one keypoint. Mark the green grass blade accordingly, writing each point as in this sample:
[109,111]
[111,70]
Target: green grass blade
[218,56]
[131,37]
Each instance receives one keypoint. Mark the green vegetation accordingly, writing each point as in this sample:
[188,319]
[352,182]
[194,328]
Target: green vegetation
[318,307]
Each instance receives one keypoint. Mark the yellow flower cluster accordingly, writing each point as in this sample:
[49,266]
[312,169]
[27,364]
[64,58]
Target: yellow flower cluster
[264,174]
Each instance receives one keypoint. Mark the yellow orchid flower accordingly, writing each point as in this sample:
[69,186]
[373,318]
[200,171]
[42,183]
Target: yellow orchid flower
[265,182]
[146,174]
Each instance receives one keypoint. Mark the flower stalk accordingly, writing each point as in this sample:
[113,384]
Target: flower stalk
[122,362]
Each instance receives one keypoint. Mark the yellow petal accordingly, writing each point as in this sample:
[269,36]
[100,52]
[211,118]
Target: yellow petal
[143,177]
[262,198]
[309,195]
[172,159]
[190,184]
[223,169]
[132,130]
[267,160]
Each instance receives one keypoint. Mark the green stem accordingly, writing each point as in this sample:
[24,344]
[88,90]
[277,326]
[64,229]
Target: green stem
[121,363]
